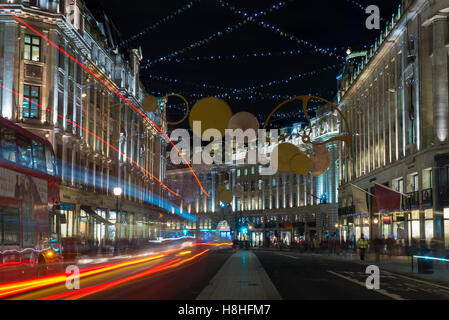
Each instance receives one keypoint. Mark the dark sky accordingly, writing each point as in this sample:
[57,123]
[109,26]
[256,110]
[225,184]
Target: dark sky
[326,23]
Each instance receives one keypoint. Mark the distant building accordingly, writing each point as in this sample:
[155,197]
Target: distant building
[396,100]
[89,166]
[275,205]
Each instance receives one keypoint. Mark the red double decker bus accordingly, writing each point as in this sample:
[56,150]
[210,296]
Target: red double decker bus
[29,198]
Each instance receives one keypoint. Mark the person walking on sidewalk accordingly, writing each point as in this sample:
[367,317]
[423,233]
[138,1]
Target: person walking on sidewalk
[378,243]
[362,244]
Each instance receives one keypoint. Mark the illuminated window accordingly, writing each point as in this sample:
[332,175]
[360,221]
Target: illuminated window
[8,150]
[31,99]
[32,50]
[24,154]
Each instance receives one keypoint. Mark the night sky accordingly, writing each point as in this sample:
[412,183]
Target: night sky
[328,24]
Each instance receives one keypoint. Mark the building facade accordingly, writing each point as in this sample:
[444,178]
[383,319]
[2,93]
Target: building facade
[280,206]
[396,100]
[100,141]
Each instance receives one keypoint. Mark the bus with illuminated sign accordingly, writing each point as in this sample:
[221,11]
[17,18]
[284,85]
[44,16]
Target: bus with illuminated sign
[29,198]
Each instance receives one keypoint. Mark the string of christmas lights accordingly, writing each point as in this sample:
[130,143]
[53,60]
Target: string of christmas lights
[160,22]
[361,6]
[218,34]
[251,91]
[232,57]
[291,78]
[278,31]
[233,93]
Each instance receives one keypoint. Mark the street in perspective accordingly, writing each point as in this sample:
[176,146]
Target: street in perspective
[229,157]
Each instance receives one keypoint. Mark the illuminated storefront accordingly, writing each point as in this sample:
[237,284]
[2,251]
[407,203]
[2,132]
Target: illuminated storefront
[67,220]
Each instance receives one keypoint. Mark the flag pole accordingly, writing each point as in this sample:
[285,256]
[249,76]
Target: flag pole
[372,195]
[370,213]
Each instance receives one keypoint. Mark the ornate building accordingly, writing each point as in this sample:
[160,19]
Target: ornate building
[396,100]
[84,120]
[272,206]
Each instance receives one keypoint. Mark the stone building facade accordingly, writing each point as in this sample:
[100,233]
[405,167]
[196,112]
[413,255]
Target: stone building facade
[396,100]
[83,119]
[277,205]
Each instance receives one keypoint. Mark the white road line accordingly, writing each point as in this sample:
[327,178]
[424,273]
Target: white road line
[381,291]
[418,280]
[286,255]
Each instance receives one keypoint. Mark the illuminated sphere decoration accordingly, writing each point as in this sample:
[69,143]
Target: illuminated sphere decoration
[321,160]
[226,196]
[300,164]
[213,113]
[284,153]
[221,187]
[150,104]
[244,121]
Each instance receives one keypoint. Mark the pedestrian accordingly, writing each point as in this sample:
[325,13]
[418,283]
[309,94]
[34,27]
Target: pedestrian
[390,246]
[362,244]
[377,247]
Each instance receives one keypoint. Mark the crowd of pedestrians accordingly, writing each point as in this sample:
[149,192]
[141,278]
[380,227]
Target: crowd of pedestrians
[379,247]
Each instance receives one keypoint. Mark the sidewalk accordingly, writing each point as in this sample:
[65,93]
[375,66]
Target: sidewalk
[242,277]
[396,264]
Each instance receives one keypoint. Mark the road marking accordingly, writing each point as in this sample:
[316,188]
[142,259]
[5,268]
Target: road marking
[286,255]
[381,291]
[418,280]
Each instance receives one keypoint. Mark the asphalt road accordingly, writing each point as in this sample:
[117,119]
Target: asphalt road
[309,277]
[183,274]
[182,283]
[179,274]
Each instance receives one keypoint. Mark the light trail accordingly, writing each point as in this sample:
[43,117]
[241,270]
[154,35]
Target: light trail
[78,294]
[13,288]
[113,90]
[93,134]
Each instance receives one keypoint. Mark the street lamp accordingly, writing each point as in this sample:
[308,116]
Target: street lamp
[117,193]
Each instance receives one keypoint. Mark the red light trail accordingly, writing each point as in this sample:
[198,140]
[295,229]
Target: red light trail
[110,88]
[78,294]
[14,288]
[93,134]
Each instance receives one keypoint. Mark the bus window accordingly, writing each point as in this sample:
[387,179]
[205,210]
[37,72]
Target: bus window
[24,155]
[7,144]
[9,226]
[39,157]
[49,159]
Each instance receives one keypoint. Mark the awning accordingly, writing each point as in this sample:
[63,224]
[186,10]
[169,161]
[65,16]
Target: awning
[94,214]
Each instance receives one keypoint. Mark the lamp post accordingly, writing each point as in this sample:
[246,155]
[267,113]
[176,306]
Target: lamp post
[117,193]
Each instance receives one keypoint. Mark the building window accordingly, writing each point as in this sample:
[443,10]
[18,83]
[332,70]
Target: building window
[32,48]
[31,99]
[34,3]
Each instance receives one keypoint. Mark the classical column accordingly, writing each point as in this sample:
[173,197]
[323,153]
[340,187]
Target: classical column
[440,78]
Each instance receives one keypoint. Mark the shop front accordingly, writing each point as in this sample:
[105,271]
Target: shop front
[256,238]
[68,220]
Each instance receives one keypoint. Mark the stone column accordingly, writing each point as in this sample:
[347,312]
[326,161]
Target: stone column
[440,78]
